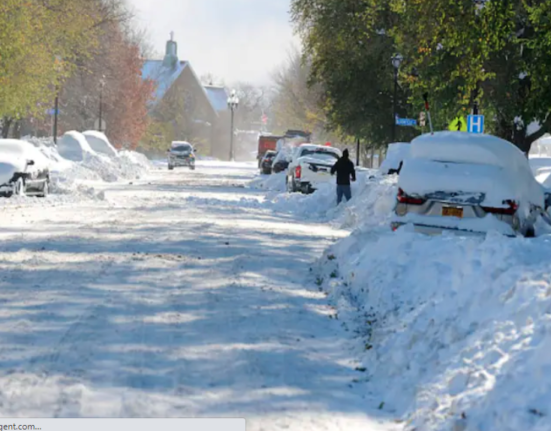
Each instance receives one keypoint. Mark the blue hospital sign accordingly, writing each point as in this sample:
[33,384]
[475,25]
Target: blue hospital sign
[475,123]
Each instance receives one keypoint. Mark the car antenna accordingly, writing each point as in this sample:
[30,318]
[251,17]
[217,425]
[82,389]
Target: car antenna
[427,109]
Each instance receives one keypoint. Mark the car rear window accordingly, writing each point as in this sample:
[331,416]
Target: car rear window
[182,148]
[321,154]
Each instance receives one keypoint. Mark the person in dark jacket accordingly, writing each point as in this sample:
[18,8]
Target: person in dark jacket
[344,168]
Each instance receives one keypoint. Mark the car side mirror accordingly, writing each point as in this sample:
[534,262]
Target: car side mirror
[30,162]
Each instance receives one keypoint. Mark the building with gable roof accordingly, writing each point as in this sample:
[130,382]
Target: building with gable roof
[183,109]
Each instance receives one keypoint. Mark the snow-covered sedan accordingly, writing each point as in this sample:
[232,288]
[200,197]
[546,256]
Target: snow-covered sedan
[181,154]
[23,169]
[311,166]
[467,182]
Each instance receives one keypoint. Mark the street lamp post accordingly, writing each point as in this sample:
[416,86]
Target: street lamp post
[56,107]
[233,103]
[102,85]
[396,62]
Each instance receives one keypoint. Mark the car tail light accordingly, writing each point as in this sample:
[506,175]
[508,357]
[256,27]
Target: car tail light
[511,210]
[298,172]
[403,198]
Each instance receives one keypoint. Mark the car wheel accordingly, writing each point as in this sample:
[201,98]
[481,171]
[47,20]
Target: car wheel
[529,231]
[19,187]
[292,186]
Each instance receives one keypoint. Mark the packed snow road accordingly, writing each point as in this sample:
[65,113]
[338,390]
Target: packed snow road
[180,295]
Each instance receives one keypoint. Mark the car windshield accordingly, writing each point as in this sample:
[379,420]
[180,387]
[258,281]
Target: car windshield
[320,154]
[182,148]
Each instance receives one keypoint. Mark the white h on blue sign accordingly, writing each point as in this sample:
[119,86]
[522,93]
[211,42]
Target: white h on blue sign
[475,123]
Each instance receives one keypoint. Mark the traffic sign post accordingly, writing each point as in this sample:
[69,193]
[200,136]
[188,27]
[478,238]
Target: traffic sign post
[476,123]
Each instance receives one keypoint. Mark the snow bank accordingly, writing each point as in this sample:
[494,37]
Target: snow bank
[274,182]
[373,198]
[100,143]
[455,332]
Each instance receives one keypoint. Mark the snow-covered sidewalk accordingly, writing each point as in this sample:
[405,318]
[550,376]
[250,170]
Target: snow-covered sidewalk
[174,296]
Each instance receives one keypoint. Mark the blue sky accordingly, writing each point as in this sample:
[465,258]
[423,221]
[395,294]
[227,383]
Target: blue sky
[236,40]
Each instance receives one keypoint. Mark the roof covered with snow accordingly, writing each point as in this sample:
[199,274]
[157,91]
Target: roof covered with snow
[218,97]
[162,75]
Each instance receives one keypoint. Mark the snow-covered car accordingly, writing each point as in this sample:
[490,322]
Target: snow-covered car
[311,166]
[181,154]
[23,169]
[100,143]
[74,146]
[395,155]
[467,182]
[266,162]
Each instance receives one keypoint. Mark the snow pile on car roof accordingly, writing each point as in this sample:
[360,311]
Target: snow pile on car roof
[100,143]
[74,146]
[453,332]
[470,163]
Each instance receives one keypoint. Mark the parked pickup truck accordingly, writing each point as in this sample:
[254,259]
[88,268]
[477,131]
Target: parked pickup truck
[310,166]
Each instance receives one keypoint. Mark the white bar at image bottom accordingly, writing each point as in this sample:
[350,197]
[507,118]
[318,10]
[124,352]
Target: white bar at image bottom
[141,424]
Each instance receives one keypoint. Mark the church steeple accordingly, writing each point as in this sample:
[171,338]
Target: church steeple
[171,54]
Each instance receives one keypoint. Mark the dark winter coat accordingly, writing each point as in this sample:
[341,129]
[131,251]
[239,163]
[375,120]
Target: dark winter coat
[344,169]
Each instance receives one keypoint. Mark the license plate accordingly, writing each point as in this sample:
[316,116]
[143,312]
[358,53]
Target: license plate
[452,212]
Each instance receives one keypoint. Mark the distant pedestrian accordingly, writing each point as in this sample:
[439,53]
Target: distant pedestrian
[345,170]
